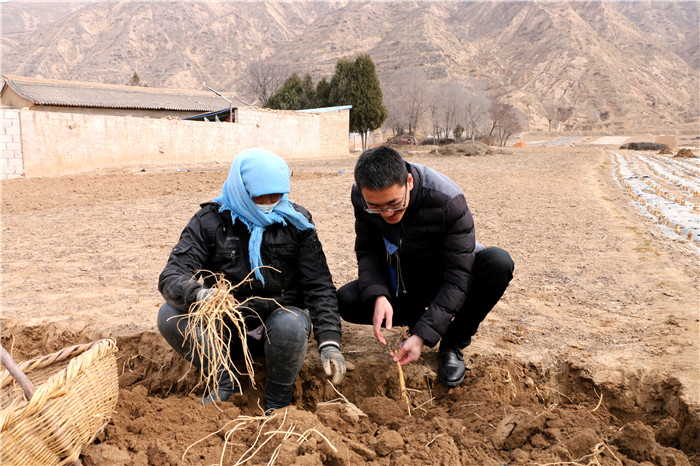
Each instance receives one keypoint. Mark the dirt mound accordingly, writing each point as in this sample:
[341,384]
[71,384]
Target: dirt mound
[665,152]
[467,148]
[686,154]
[644,146]
[505,411]
[600,314]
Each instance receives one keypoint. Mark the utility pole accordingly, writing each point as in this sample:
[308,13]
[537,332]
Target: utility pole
[230,103]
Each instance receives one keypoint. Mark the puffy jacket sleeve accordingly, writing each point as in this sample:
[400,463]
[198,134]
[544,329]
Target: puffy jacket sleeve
[317,286]
[371,257]
[178,282]
[458,257]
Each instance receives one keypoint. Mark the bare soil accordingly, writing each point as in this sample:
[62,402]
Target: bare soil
[591,357]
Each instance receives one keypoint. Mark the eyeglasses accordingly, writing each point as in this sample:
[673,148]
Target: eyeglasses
[392,208]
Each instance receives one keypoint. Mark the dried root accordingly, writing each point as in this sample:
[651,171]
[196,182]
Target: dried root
[215,325]
[265,433]
[402,381]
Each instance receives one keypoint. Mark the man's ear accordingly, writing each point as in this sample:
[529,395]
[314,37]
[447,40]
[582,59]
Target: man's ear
[409,181]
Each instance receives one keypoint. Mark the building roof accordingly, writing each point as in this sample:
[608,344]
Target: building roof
[97,95]
[219,115]
[326,109]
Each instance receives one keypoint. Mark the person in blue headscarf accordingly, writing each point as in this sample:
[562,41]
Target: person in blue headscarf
[253,229]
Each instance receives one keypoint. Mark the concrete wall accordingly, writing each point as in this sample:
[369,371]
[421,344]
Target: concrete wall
[116,111]
[11,165]
[55,144]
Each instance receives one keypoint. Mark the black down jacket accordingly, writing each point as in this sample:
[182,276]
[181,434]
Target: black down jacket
[212,243]
[435,240]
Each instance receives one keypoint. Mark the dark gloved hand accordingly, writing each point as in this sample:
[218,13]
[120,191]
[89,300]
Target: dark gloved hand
[333,362]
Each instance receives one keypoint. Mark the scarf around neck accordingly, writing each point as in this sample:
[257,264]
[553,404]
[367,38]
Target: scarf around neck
[256,172]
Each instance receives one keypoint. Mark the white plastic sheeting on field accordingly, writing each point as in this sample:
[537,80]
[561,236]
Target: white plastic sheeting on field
[666,188]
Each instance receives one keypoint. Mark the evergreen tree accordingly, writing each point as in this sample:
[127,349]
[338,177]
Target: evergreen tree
[356,83]
[323,94]
[294,94]
[288,96]
[308,97]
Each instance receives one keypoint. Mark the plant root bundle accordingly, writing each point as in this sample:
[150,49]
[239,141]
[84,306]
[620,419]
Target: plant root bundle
[212,328]
[265,433]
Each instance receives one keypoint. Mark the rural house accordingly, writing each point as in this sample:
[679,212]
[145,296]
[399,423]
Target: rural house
[51,95]
[52,128]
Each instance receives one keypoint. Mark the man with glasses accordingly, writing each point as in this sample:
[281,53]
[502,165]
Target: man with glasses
[419,264]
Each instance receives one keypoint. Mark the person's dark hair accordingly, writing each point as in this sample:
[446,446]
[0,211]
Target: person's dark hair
[380,168]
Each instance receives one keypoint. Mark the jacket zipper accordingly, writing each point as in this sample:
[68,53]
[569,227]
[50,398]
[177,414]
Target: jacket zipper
[399,279]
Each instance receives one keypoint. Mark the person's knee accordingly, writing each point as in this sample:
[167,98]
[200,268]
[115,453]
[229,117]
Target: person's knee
[497,265]
[504,263]
[348,297]
[167,320]
[171,325]
[288,324]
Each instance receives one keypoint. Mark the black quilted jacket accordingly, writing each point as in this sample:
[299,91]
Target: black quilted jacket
[212,243]
[436,243]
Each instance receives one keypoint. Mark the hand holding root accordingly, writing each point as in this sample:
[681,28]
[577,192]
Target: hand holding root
[409,351]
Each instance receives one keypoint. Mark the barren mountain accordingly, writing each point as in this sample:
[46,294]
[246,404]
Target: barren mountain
[620,65]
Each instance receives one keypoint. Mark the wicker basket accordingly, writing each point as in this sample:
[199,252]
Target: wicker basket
[76,393]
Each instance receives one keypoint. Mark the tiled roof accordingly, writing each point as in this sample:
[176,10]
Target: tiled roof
[95,95]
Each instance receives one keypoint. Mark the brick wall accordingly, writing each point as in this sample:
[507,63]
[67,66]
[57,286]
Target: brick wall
[65,143]
[10,145]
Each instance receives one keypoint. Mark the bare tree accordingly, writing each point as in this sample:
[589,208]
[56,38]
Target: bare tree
[476,107]
[505,121]
[263,79]
[405,96]
[396,119]
[435,110]
[551,112]
[453,94]
[557,112]
[564,112]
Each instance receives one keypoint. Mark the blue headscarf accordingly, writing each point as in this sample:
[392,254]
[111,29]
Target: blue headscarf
[256,172]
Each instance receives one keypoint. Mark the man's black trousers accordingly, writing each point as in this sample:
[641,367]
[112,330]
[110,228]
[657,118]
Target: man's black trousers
[492,272]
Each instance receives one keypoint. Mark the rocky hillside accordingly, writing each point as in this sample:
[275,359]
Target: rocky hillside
[620,65]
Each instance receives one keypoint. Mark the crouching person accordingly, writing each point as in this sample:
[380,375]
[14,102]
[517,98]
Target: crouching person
[253,230]
[419,264]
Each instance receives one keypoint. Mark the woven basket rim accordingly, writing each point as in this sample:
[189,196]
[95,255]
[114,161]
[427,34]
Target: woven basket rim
[51,388]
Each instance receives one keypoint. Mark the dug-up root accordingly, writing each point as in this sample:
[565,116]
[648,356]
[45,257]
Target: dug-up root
[268,431]
[215,325]
[341,401]
[402,380]
[592,459]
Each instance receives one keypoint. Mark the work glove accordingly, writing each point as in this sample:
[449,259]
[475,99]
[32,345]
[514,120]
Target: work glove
[333,362]
[204,294]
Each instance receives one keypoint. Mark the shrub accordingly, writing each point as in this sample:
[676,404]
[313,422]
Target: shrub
[644,146]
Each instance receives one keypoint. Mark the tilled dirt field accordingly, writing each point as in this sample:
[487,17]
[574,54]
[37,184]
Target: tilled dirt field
[591,357]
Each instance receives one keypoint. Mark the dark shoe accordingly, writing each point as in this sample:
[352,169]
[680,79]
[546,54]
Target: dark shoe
[452,367]
[222,394]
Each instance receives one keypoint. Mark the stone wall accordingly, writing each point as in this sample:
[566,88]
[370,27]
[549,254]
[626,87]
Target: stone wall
[11,165]
[55,143]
